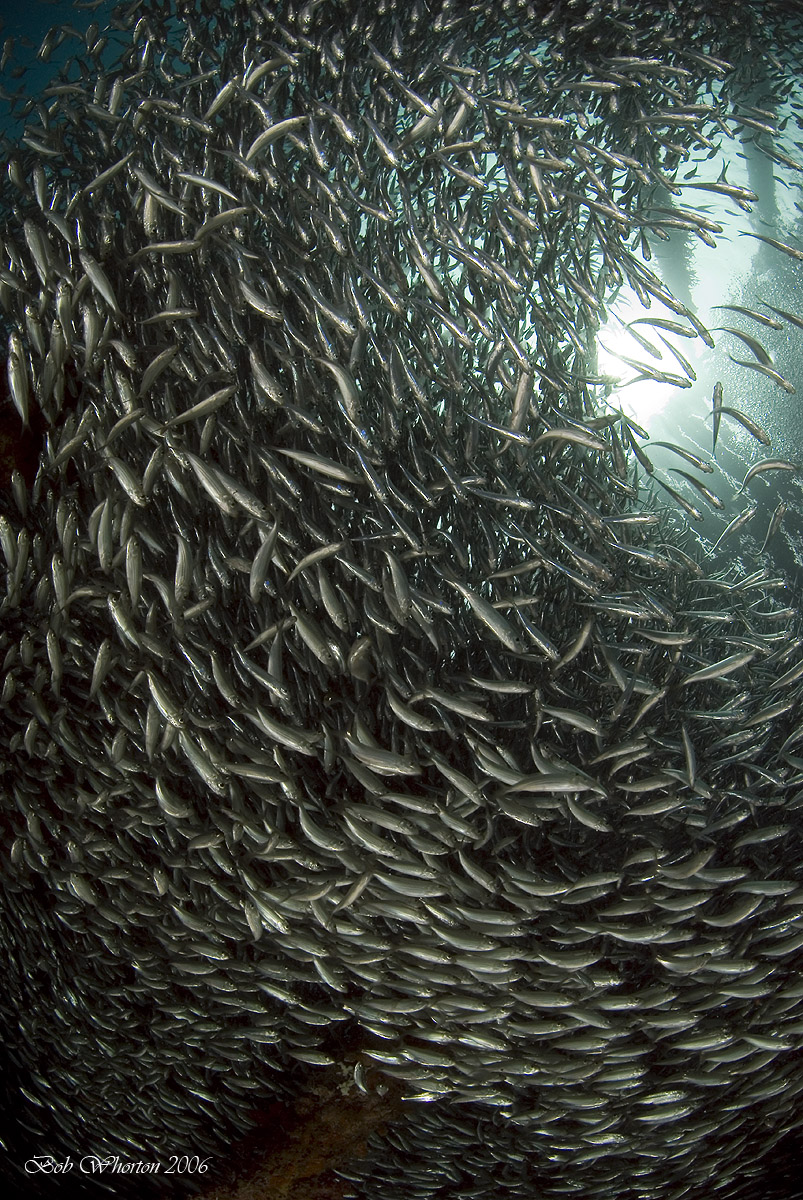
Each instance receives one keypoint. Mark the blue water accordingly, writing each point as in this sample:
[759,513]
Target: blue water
[27,23]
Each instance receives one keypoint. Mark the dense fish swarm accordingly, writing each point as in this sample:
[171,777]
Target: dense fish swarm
[354,688]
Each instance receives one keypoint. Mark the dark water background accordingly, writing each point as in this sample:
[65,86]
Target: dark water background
[27,22]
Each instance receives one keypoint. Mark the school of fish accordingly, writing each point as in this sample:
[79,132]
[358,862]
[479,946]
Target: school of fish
[355,687]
